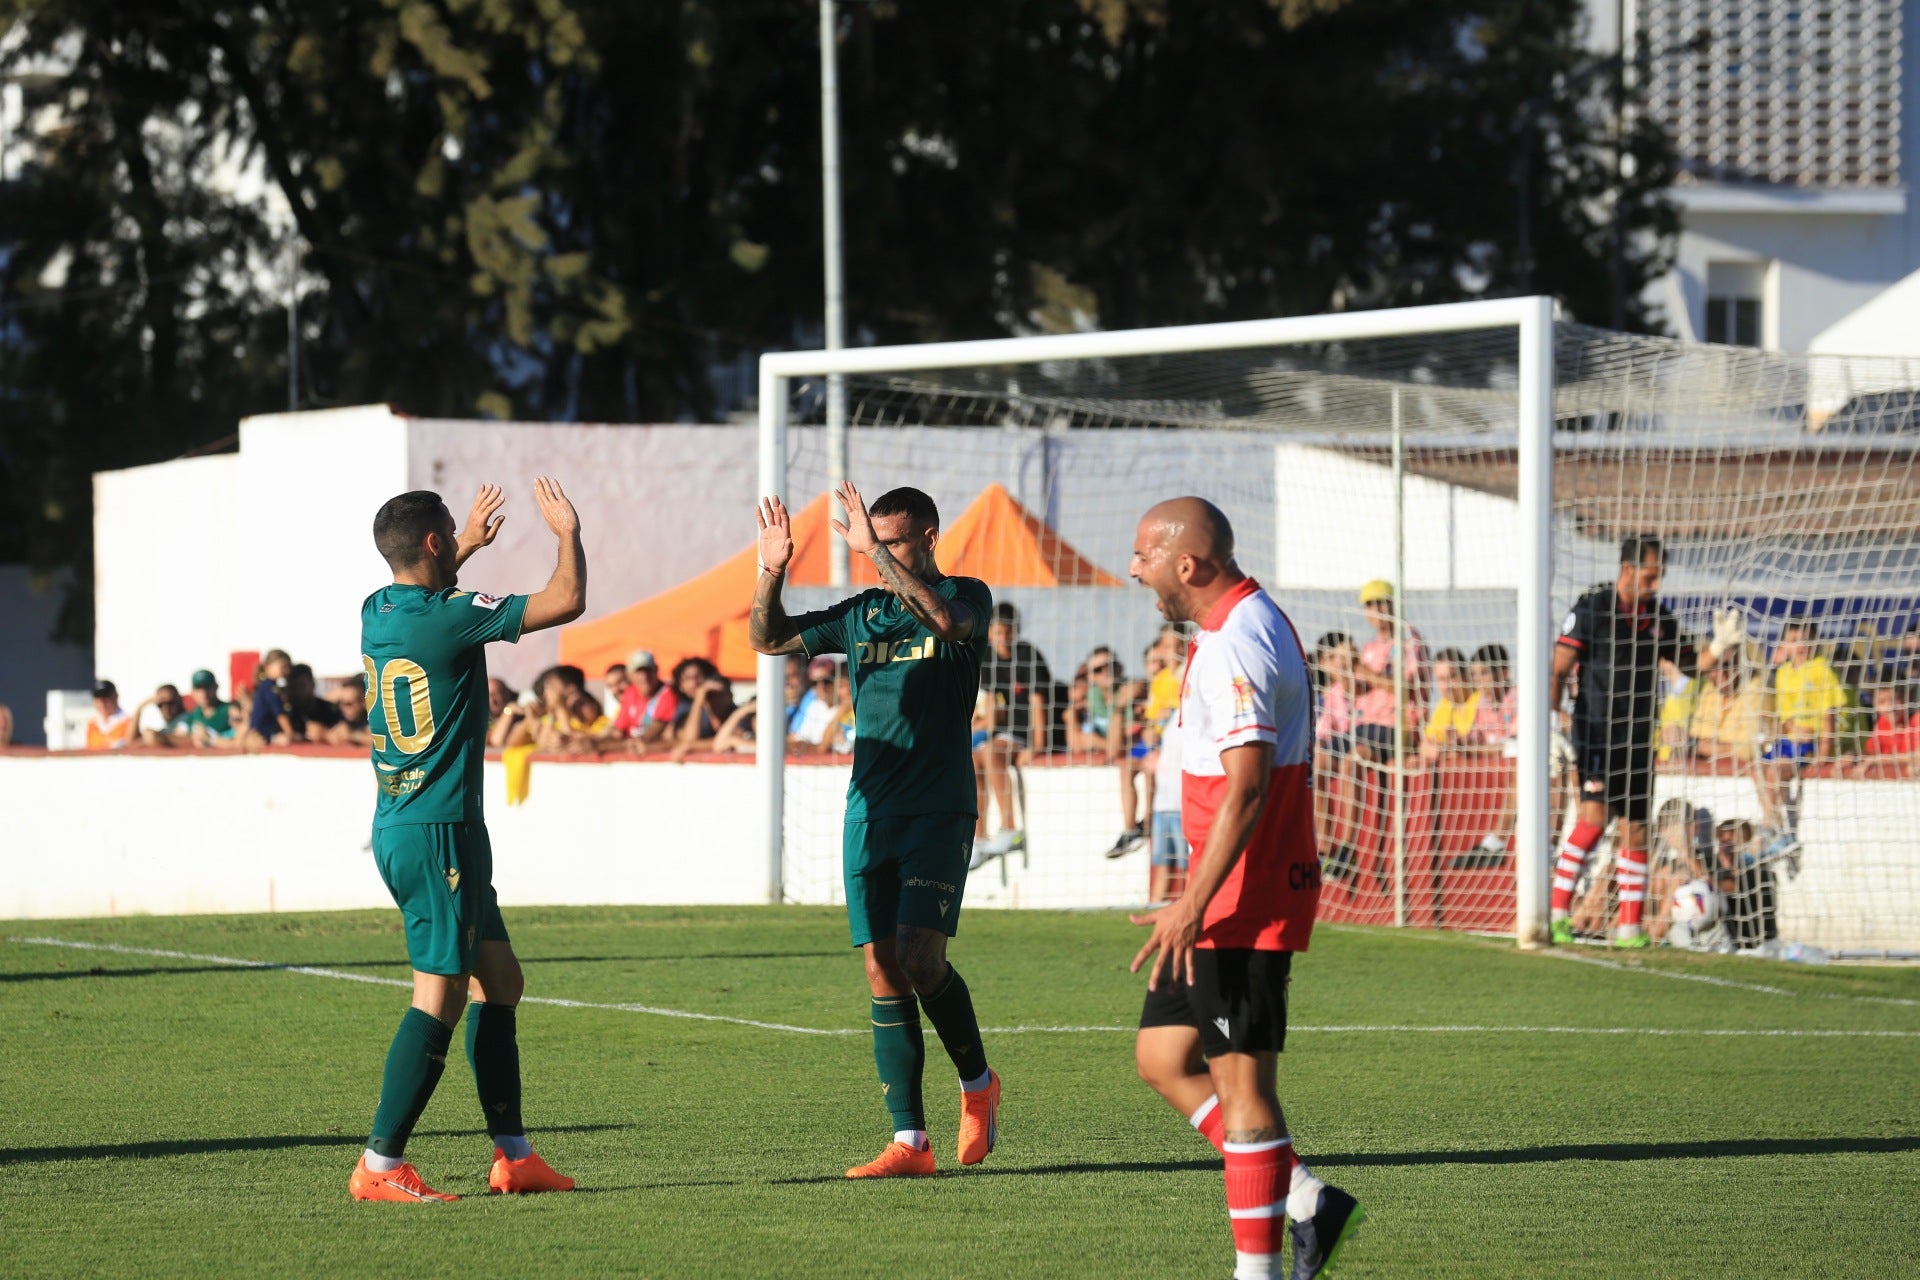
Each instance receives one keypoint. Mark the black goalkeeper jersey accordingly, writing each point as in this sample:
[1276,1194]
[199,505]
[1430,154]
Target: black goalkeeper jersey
[1620,649]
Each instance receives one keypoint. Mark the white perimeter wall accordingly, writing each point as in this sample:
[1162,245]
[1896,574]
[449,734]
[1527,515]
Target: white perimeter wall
[275,833]
[164,554]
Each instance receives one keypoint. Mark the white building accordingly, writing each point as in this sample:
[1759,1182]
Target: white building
[1798,130]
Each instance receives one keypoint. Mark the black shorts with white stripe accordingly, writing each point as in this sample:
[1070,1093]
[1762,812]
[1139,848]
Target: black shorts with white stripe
[1238,1000]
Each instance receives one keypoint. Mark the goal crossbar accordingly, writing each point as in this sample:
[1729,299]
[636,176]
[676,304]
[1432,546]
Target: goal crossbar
[1531,317]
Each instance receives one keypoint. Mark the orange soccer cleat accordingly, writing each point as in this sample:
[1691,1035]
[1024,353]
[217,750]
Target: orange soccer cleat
[523,1177]
[980,1120]
[402,1184]
[898,1161]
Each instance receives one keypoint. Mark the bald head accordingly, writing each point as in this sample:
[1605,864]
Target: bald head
[1183,550]
[1193,527]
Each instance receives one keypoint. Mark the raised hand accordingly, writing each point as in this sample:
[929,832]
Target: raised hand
[483,522]
[1729,630]
[776,535]
[555,509]
[858,530]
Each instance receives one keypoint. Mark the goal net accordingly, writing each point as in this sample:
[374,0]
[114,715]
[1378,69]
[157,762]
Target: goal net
[1377,472]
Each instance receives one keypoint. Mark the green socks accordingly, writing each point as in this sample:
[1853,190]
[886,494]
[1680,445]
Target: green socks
[900,1052]
[494,1050]
[950,1008]
[414,1064]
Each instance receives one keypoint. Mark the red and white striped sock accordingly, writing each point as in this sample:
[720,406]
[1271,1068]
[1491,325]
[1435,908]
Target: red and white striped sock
[1632,877]
[1566,870]
[1210,1123]
[1258,1176]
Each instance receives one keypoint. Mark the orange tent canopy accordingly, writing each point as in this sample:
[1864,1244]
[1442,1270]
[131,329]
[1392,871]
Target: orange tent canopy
[995,539]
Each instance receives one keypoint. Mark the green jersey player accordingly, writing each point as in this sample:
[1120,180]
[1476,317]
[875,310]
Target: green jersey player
[915,644]
[423,643]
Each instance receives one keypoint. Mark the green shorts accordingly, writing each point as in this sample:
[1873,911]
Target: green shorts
[910,870]
[441,877]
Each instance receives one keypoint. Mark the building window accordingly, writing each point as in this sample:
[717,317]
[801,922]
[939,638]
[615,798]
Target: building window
[1736,300]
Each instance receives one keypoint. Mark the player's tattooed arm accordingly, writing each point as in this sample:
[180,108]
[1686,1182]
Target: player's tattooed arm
[949,620]
[769,629]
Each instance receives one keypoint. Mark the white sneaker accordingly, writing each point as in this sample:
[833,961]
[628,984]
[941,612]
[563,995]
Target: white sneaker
[998,845]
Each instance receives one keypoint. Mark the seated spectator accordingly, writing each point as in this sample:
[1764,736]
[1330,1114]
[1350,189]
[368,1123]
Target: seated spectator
[1728,716]
[1134,739]
[1896,730]
[6,726]
[351,699]
[209,721]
[740,732]
[310,717]
[110,727]
[571,722]
[509,716]
[1016,680]
[1682,851]
[1336,817]
[1092,731]
[268,724]
[1749,892]
[1494,725]
[709,698]
[155,720]
[1456,708]
[648,709]
[840,732]
[810,708]
[612,684]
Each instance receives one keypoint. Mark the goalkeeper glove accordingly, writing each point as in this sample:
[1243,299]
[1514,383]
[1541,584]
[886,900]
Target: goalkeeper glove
[1729,632]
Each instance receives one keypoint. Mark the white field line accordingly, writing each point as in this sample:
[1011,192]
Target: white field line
[1352,1029]
[1559,953]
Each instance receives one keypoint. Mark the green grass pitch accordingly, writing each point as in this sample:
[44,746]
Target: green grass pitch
[165,1115]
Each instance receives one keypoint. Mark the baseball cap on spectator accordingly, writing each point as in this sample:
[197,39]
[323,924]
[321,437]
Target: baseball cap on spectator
[1375,591]
[204,679]
[105,689]
[821,668]
[642,660]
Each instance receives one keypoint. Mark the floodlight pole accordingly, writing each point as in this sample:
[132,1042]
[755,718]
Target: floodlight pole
[836,316]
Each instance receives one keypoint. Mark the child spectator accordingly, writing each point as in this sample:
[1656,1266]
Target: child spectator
[110,727]
[1806,696]
[268,721]
[1749,894]
[571,722]
[1682,851]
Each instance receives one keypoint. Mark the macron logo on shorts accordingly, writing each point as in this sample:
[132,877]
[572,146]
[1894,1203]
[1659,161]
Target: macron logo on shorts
[1222,1024]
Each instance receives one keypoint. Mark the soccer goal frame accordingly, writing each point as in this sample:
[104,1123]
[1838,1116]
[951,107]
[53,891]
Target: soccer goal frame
[1531,317]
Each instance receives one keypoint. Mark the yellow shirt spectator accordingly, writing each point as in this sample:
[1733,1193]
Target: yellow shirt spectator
[1731,724]
[1456,716]
[1803,694]
[1676,713]
[1163,695]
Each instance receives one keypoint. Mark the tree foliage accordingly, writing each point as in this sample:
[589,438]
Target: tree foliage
[568,208]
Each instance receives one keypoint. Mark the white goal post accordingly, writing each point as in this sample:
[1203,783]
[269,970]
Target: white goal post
[1530,318]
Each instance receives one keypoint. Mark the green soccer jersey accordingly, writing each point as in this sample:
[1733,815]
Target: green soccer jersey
[912,700]
[426,663]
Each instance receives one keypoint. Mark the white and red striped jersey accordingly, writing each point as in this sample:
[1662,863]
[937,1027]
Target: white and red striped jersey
[1247,683]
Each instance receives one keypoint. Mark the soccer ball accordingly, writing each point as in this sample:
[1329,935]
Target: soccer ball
[1696,904]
